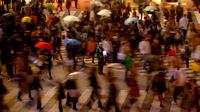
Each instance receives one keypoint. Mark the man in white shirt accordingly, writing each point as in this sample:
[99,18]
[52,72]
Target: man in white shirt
[145,49]
[183,24]
[107,46]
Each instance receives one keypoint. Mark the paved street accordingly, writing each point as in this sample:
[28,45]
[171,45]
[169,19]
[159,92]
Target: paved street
[147,101]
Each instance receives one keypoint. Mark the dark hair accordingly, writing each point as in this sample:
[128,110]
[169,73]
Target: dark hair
[186,42]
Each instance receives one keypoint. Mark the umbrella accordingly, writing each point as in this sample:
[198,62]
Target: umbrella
[97,3]
[130,20]
[8,15]
[195,67]
[104,12]
[150,8]
[26,19]
[72,41]
[73,75]
[49,6]
[68,19]
[44,45]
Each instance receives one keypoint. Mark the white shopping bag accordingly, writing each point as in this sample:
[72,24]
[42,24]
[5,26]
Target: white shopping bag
[121,56]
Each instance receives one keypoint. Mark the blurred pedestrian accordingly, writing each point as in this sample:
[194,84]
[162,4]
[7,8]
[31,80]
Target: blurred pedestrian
[37,86]
[95,86]
[68,5]
[61,95]
[73,94]
[112,94]
[186,52]
[183,24]
[179,12]
[178,83]
[145,49]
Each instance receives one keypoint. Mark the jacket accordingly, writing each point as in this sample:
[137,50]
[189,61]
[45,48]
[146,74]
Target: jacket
[99,52]
[91,46]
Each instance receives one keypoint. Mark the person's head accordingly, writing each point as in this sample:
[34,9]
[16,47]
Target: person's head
[172,6]
[184,15]
[100,44]
[156,41]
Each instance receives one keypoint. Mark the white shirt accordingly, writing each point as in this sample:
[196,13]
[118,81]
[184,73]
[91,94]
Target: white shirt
[183,22]
[107,46]
[145,47]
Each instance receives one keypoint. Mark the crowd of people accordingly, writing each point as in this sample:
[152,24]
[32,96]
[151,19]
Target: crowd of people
[108,39]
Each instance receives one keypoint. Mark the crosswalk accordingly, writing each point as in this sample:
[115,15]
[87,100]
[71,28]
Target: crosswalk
[142,105]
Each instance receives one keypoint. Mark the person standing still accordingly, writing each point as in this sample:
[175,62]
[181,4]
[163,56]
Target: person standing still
[99,52]
[145,49]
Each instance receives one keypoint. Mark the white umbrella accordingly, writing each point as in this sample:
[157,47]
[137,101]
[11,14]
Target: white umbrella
[97,3]
[115,65]
[68,19]
[104,12]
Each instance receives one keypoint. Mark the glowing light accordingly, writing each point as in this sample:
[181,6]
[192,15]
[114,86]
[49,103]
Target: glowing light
[157,1]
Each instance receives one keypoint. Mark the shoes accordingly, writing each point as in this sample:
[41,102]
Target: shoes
[173,103]
[50,78]
[31,98]
[19,99]
[39,108]
[69,105]
[162,106]
[75,109]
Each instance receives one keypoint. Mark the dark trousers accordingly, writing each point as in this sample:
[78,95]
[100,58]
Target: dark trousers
[75,1]
[112,101]
[184,34]
[100,65]
[74,100]
[39,104]
[60,105]
[20,93]
[92,54]
[9,70]
[187,62]
[177,91]
[49,70]
[68,8]
[95,92]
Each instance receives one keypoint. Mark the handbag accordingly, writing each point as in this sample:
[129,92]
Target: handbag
[73,93]
[39,63]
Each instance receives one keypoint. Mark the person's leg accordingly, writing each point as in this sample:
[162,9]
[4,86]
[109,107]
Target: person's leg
[145,61]
[60,105]
[49,70]
[74,103]
[10,70]
[92,53]
[75,3]
[19,95]
[101,65]
[187,62]
[68,100]
[29,94]
[184,34]
[126,73]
